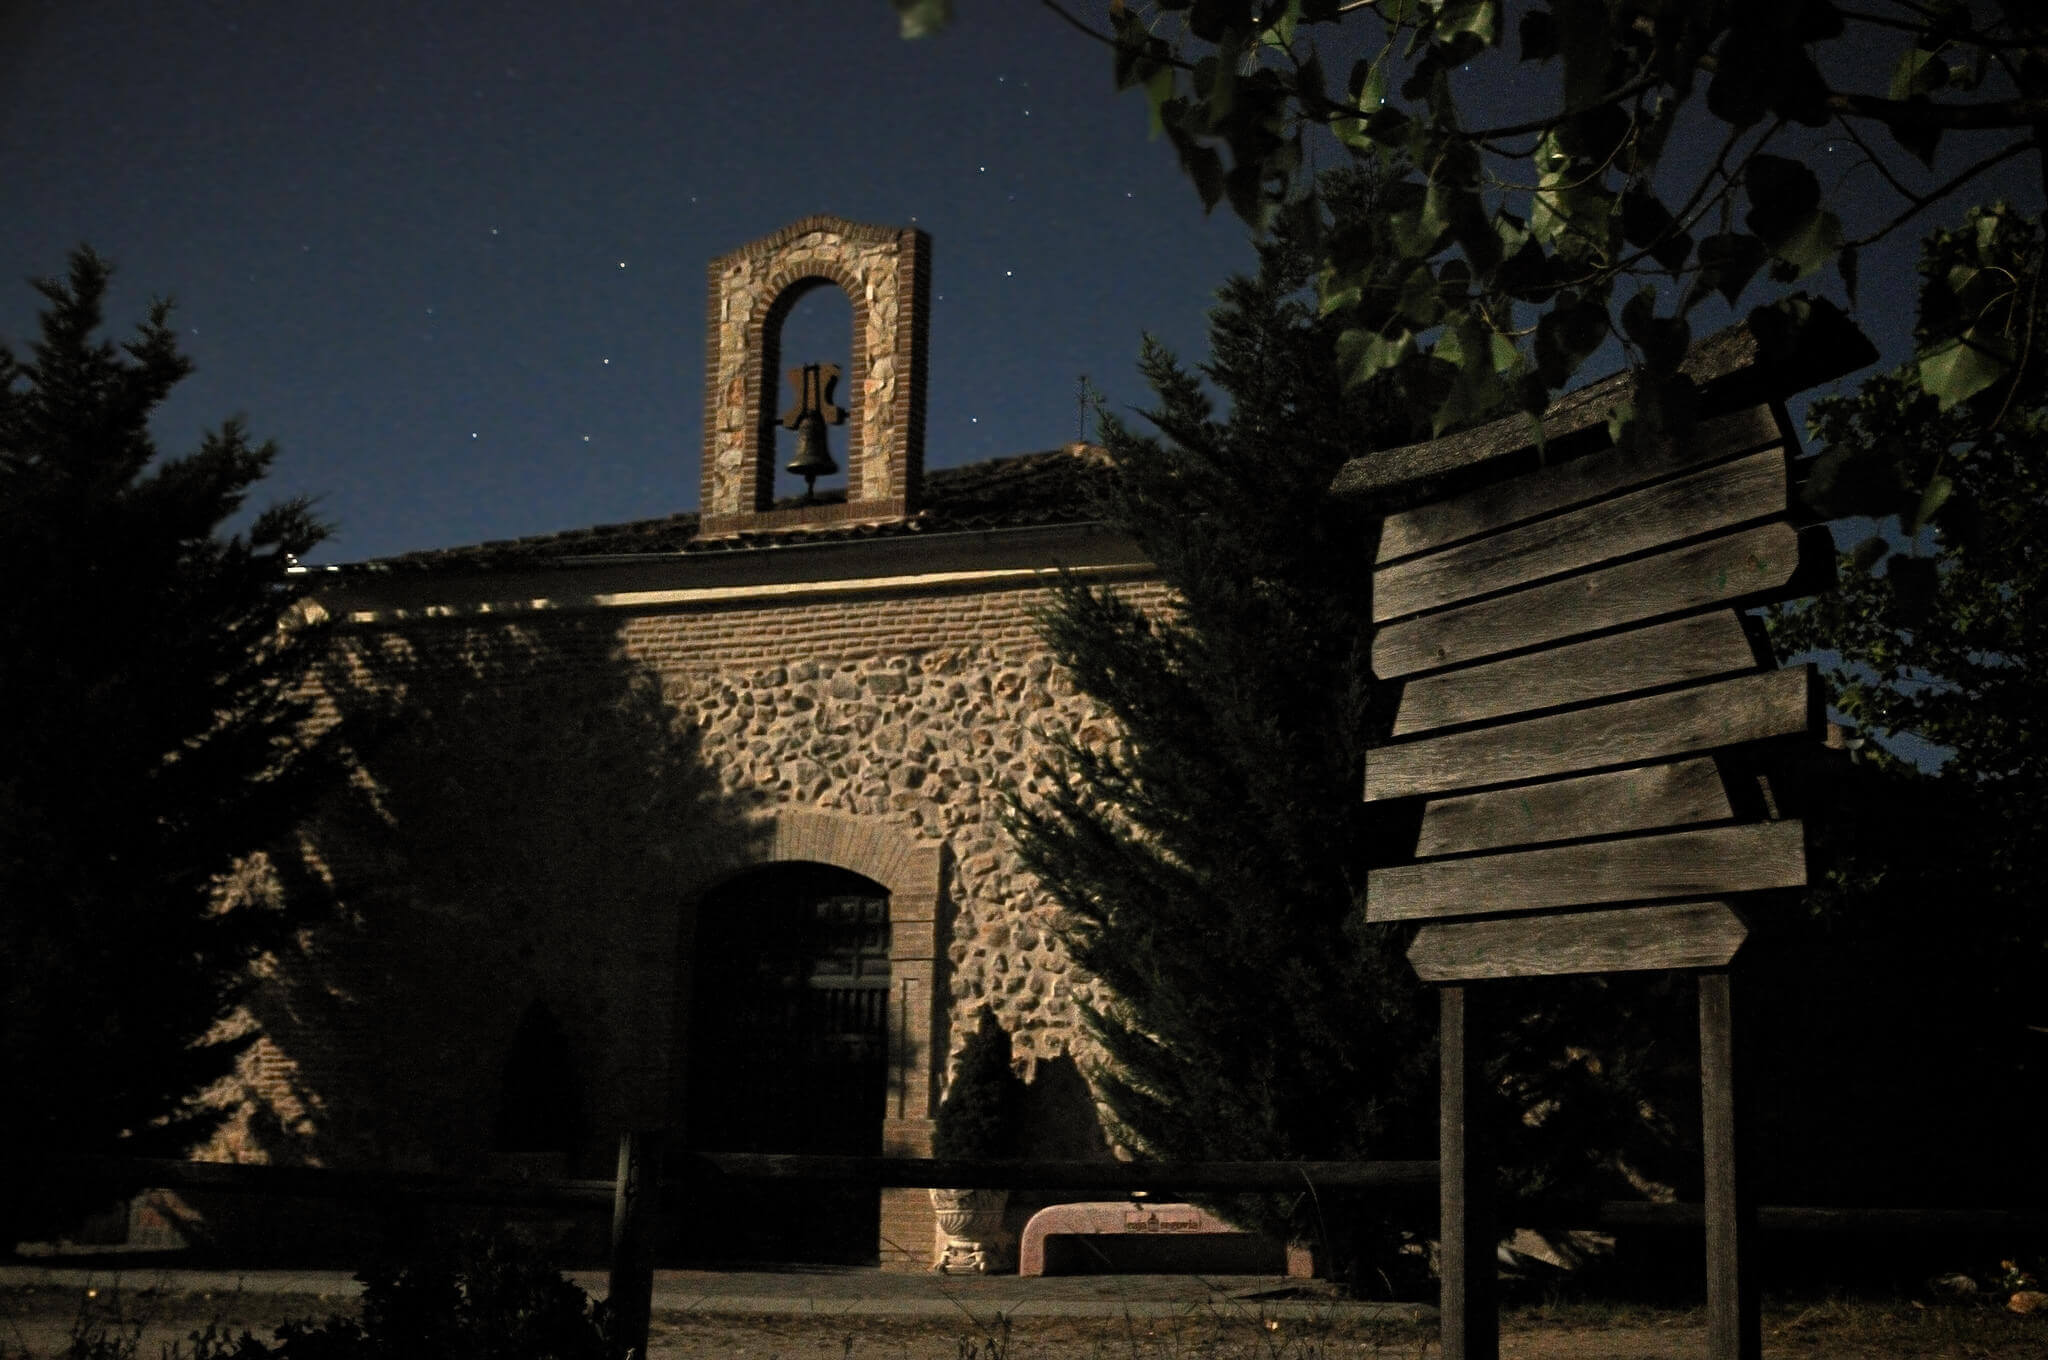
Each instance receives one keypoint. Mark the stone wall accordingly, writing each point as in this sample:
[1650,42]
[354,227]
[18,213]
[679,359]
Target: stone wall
[570,784]
[915,712]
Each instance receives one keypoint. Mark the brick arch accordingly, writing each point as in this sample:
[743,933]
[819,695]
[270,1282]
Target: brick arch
[885,273]
[912,869]
[786,287]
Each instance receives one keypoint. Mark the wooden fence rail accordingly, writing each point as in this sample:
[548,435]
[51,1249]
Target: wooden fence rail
[1401,1180]
[1149,1177]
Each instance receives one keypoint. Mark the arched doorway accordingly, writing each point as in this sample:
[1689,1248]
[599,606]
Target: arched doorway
[788,1052]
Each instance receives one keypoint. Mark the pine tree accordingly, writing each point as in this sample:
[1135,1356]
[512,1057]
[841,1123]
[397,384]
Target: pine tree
[1209,863]
[146,667]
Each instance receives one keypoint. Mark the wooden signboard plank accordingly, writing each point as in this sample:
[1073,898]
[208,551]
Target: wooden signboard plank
[1729,361]
[1625,939]
[1649,798]
[1549,489]
[1743,708]
[1702,863]
[1749,564]
[1695,647]
[1723,496]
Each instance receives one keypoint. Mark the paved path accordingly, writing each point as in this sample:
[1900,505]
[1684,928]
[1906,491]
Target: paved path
[819,1291]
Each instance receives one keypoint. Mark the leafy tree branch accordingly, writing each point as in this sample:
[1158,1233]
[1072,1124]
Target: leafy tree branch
[1514,260]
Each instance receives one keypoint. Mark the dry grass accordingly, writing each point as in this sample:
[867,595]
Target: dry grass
[39,1324]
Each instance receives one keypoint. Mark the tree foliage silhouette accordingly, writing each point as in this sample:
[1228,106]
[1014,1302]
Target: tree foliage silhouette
[1206,859]
[1667,153]
[147,665]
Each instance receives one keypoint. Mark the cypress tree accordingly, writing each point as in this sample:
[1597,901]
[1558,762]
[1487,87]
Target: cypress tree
[1210,862]
[146,671]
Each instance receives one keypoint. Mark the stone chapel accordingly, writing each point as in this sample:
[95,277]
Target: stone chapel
[691,823]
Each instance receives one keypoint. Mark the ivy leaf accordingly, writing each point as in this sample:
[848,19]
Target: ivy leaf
[1645,220]
[1913,584]
[1208,19]
[1526,274]
[1280,33]
[1638,313]
[1809,246]
[1476,392]
[1538,34]
[1785,213]
[1728,261]
[1739,93]
[1216,84]
[1362,354]
[1204,167]
[1919,72]
[1244,185]
[1372,89]
[1918,139]
[1931,500]
[922,18]
[1420,300]
[1962,366]
[1479,18]
[1158,93]
[1782,195]
[1506,357]
[1586,42]
[1800,335]
[1339,295]
[1869,553]
[1852,479]
[1566,337]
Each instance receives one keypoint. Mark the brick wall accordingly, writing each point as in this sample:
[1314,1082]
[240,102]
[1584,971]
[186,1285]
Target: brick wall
[551,795]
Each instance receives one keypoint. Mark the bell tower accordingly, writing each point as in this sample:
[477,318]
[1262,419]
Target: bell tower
[885,273]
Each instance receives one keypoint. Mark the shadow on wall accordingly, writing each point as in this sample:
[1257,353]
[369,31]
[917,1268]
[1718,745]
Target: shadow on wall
[1059,1115]
[487,983]
[1059,1123]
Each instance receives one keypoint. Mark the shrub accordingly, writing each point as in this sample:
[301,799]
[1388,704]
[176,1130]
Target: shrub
[474,1300]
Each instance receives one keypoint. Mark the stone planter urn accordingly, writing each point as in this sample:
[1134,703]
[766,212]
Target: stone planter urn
[977,1122]
[971,1222]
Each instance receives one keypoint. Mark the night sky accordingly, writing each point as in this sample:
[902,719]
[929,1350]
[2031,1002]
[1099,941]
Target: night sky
[451,256]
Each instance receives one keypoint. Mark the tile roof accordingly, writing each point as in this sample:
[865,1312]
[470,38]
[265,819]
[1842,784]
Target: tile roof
[1020,491]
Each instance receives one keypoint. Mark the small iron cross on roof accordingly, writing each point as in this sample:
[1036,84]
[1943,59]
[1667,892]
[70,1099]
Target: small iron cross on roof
[810,411]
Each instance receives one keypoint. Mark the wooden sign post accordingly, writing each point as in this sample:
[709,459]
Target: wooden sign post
[1585,707]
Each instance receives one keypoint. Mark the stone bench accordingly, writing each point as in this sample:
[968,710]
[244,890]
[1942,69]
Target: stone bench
[1133,1218]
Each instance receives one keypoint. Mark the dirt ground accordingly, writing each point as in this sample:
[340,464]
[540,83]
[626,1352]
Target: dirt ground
[1210,1338]
[40,1322]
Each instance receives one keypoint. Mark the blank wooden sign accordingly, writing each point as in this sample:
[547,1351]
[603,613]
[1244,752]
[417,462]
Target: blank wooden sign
[1577,681]
[1574,658]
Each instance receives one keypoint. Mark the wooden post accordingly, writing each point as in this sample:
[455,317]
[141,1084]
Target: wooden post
[634,1205]
[1734,1320]
[1465,1255]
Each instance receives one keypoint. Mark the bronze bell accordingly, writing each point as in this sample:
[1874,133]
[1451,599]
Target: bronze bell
[813,455]
[810,410]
